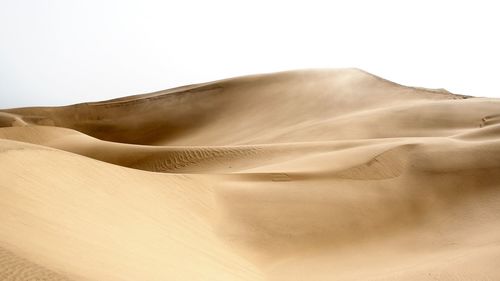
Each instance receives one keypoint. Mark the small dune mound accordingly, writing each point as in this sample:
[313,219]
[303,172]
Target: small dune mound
[388,164]
[10,120]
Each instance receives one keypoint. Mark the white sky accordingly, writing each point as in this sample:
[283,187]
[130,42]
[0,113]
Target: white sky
[62,52]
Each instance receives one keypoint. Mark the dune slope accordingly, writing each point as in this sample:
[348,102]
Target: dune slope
[300,175]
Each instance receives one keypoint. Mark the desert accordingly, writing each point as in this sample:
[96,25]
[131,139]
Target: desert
[317,174]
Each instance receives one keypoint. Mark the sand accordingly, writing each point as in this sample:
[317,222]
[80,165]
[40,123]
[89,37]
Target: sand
[300,175]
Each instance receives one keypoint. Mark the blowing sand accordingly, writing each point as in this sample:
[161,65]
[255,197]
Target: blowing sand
[301,175]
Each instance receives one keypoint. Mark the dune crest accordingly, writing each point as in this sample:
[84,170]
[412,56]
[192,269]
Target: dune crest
[299,175]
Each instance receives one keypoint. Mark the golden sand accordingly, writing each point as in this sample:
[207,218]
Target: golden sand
[300,175]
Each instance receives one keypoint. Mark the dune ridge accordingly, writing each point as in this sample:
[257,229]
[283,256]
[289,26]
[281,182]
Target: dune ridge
[300,175]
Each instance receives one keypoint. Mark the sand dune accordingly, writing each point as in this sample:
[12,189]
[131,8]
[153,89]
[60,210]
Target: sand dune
[300,175]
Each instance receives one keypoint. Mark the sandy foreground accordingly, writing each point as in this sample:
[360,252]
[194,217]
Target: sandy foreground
[301,175]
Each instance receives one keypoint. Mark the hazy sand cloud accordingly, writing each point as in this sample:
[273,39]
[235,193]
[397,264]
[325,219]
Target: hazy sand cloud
[60,52]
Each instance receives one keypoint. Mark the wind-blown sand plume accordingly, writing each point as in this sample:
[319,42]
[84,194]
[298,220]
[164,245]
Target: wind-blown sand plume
[301,175]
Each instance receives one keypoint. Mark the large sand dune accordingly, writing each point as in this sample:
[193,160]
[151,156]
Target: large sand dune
[302,175]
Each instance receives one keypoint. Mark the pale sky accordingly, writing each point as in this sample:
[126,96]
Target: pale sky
[65,51]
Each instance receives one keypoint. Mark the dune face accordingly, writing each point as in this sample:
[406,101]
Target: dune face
[301,175]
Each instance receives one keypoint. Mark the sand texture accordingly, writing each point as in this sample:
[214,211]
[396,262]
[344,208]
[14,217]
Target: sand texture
[303,175]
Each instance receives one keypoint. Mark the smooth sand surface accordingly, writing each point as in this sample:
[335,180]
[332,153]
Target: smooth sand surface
[300,175]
